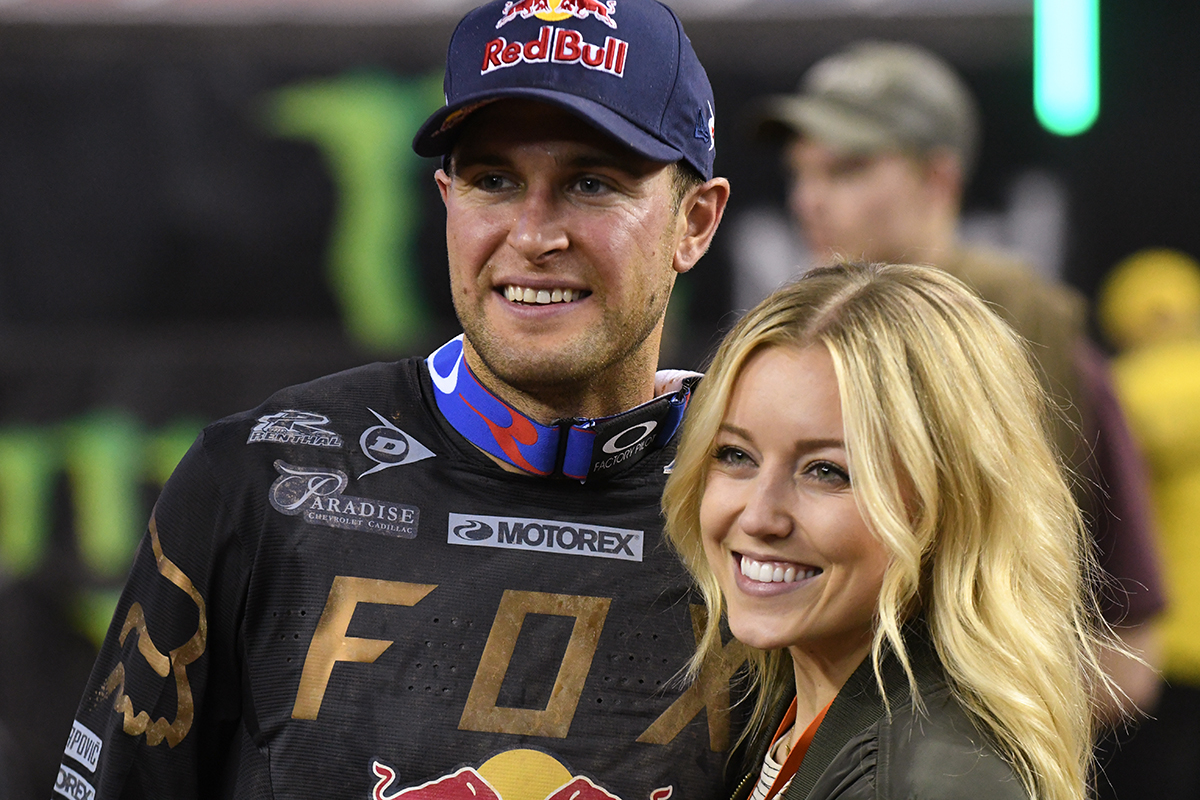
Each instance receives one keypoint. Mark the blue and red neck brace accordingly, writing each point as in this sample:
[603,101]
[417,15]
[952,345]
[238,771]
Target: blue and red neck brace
[576,448]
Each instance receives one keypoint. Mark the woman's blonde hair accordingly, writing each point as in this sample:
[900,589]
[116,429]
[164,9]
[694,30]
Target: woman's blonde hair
[946,434]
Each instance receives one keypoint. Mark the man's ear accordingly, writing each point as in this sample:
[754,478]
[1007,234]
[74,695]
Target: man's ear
[700,213]
[443,182]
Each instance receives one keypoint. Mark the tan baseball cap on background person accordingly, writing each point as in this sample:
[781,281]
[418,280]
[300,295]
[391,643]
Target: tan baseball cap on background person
[877,96]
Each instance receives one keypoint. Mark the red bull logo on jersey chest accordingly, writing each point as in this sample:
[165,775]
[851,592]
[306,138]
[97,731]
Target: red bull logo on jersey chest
[557,46]
[512,775]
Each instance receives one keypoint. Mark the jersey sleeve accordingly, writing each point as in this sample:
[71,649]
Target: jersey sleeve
[161,707]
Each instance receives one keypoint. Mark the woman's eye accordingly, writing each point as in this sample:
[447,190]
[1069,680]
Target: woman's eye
[827,472]
[731,456]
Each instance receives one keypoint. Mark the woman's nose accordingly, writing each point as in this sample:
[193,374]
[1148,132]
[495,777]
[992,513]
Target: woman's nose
[768,510]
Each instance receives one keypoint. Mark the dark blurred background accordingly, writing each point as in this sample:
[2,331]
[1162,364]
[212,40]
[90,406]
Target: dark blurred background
[202,201]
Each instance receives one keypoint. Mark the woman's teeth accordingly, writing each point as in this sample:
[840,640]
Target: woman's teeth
[516,294]
[775,572]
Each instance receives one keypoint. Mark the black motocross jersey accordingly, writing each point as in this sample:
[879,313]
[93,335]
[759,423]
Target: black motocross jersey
[338,596]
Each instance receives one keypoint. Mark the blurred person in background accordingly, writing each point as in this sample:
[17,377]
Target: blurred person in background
[1149,308]
[443,577]
[879,142]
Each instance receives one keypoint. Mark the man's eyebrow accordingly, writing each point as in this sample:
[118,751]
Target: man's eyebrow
[629,163]
[480,158]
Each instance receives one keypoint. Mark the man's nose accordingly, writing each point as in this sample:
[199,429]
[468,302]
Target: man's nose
[539,229]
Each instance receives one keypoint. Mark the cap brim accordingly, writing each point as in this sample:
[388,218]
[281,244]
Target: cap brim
[786,116]
[437,136]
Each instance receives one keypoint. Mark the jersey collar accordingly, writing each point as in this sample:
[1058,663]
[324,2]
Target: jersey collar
[578,448]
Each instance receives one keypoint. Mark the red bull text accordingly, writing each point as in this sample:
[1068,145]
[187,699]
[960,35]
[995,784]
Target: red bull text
[557,46]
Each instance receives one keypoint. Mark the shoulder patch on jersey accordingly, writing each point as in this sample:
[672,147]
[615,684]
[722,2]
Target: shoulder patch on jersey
[84,746]
[545,535]
[291,426]
[73,785]
[388,446]
[316,494]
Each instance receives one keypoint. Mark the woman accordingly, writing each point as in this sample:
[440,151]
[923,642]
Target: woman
[864,487]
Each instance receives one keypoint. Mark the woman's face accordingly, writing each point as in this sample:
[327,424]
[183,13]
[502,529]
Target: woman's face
[794,558]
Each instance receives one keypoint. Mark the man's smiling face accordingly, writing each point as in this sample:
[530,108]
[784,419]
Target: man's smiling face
[562,247]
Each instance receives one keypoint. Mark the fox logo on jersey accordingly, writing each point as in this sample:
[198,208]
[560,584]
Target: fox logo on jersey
[512,775]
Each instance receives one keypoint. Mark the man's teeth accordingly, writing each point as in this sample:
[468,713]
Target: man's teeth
[516,294]
[775,572]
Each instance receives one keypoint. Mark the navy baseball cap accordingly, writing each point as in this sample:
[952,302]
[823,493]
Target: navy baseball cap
[624,66]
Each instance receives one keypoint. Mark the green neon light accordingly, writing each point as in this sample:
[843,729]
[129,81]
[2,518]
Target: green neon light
[1066,64]
[28,467]
[103,457]
[363,123]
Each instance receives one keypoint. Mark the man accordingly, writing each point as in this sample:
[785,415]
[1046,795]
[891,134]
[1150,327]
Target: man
[879,142]
[443,578]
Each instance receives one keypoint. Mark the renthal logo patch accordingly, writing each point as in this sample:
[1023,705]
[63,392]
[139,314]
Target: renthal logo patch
[317,496]
[511,775]
[388,446]
[84,746]
[556,10]
[73,785]
[557,46]
[545,535]
[294,427]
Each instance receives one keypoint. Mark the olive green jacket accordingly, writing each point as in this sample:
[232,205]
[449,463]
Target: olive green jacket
[861,753]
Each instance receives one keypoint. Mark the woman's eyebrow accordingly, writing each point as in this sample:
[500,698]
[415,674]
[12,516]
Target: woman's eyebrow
[803,445]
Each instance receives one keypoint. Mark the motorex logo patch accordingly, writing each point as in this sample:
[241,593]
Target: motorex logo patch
[545,536]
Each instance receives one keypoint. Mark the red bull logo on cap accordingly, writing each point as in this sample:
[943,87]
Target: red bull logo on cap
[558,10]
[511,775]
[557,46]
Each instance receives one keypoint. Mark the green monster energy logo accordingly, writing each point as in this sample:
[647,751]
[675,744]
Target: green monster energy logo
[108,459]
[362,123]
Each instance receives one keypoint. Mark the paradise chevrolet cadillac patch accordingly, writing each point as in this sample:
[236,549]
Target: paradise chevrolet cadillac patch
[316,494]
